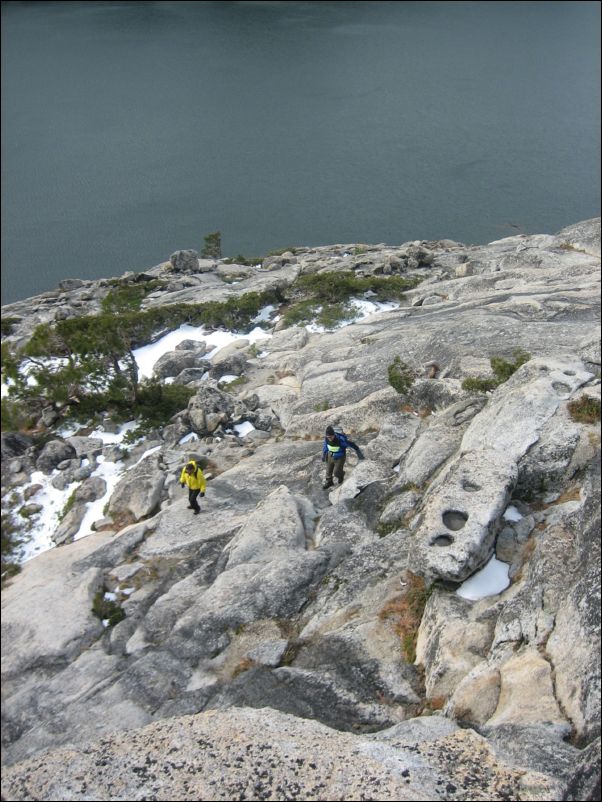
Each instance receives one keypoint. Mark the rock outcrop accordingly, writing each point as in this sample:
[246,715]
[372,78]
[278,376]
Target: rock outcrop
[296,643]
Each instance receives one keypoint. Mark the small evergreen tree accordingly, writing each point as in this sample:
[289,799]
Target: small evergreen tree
[212,249]
[401,376]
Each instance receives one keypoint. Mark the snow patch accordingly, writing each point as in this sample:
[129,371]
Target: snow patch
[243,429]
[147,355]
[489,581]
[189,438]
[512,514]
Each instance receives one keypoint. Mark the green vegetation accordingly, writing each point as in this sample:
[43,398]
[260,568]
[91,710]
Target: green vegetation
[249,261]
[7,323]
[585,409]
[127,297]
[401,376]
[86,364]
[13,417]
[10,540]
[383,529]
[325,297]
[478,384]
[107,610]
[228,387]
[68,506]
[502,370]
[212,249]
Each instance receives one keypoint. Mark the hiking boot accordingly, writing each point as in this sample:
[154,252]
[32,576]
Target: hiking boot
[341,480]
[196,512]
[327,484]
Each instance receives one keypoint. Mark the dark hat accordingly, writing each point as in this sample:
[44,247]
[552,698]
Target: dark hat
[330,431]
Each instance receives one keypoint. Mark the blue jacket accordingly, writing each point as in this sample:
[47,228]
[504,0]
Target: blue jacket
[343,443]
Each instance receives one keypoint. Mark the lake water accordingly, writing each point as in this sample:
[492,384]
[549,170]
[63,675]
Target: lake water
[130,130]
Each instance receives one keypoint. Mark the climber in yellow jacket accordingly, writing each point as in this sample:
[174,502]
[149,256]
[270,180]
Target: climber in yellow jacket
[192,476]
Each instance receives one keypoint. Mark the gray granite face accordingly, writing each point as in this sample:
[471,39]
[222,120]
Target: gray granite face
[307,643]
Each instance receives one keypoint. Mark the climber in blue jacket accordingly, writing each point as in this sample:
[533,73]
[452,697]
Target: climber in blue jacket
[334,453]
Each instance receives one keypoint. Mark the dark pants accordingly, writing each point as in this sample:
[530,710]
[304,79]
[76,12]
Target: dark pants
[335,466]
[192,499]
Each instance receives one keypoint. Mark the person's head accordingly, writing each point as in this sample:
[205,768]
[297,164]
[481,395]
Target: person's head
[330,435]
[190,467]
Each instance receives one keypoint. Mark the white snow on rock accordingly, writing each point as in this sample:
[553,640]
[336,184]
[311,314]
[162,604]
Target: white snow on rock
[512,514]
[110,438]
[39,537]
[111,472]
[147,355]
[243,429]
[363,307]
[489,581]
[188,438]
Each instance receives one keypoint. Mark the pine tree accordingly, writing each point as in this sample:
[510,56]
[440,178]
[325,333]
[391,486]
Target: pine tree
[212,248]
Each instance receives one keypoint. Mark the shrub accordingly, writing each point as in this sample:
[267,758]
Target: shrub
[302,312]
[325,296]
[401,376]
[7,324]
[479,384]
[249,261]
[127,297]
[385,529]
[332,315]
[107,610]
[68,506]
[502,370]
[585,409]
[157,402]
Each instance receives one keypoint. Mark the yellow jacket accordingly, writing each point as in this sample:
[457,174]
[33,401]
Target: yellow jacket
[196,480]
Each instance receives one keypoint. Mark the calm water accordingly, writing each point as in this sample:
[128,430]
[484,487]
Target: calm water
[132,129]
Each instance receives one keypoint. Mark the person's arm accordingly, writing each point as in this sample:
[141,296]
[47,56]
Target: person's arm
[324,450]
[183,477]
[202,482]
[355,447]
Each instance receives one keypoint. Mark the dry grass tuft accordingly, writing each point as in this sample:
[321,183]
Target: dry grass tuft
[404,613]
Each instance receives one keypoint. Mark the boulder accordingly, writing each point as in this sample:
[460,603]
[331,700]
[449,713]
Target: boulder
[184,261]
[273,754]
[275,528]
[14,444]
[174,362]
[200,347]
[288,340]
[527,694]
[54,451]
[461,516]
[91,489]
[138,494]
[450,645]
[438,440]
